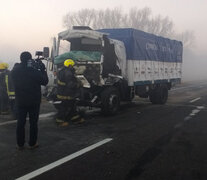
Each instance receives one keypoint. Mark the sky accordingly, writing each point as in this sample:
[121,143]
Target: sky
[31,24]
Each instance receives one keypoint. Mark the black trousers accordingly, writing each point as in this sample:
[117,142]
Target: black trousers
[33,112]
[4,103]
[66,110]
[13,108]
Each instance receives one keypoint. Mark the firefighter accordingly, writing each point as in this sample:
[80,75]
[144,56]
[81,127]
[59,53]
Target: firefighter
[10,90]
[4,99]
[68,91]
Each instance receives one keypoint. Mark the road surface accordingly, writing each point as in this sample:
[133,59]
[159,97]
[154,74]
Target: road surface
[143,141]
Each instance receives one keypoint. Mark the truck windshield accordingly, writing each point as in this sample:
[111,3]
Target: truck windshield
[64,47]
[85,44]
[92,56]
[79,49]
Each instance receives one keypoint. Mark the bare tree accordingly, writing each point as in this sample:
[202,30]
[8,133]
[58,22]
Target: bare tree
[187,37]
[84,17]
[161,26]
[108,18]
[141,19]
[114,18]
[138,18]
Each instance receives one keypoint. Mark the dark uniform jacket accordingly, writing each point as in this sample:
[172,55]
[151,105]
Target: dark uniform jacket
[27,83]
[9,84]
[3,86]
[67,84]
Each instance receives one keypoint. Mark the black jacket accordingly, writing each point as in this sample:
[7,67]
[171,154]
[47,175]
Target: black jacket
[9,82]
[3,88]
[67,83]
[27,83]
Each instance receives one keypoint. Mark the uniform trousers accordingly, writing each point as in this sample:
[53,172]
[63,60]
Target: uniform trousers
[4,103]
[33,112]
[66,110]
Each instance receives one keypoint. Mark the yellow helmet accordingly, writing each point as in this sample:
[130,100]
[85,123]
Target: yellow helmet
[2,66]
[6,65]
[69,62]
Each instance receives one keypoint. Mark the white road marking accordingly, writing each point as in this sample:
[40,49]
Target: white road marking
[63,160]
[40,116]
[187,87]
[194,100]
[200,107]
[194,112]
[178,125]
[8,122]
[47,115]
[187,118]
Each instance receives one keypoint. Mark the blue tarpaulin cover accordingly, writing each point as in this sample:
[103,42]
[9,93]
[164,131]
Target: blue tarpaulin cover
[145,46]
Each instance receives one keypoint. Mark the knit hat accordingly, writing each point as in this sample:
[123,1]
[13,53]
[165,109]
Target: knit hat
[25,56]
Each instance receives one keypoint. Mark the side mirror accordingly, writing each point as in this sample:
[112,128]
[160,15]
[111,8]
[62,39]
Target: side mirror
[46,52]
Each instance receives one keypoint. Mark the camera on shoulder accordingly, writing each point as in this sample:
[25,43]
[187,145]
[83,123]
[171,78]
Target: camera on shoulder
[37,62]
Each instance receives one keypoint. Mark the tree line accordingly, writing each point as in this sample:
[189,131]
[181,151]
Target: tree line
[141,19]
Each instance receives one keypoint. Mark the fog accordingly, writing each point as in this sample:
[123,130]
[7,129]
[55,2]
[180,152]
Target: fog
[194,66]
[30,25]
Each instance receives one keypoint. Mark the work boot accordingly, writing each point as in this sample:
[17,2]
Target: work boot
[59,120]
[34,146]
[75,117]
[79,121]
[64,124]
[19,148]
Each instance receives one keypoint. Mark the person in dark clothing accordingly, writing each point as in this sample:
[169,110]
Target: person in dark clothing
[68,90]
[4,99]
[10,91]
[27,83]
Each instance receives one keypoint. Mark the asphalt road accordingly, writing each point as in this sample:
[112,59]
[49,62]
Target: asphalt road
[143,141]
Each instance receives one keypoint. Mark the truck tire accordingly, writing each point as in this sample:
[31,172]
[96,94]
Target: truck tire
[153,97]
[159,95]
[163,95]
[110,101]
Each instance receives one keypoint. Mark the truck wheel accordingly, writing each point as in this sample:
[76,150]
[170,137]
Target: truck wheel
[153,97]
[163,95]
[159,95]
[110,101]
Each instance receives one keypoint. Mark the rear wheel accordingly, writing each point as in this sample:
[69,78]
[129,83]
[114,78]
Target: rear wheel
[110,101]
[159,95]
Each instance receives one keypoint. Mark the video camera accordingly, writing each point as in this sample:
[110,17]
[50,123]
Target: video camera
[42,54]
[39,55]
[37,63]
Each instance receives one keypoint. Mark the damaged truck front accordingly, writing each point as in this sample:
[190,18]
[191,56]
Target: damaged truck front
[114,65]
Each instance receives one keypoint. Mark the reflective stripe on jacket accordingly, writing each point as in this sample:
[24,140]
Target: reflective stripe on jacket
[10,90]
[64,97]
[61,83]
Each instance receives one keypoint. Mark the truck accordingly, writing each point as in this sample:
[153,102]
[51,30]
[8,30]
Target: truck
[115,65]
